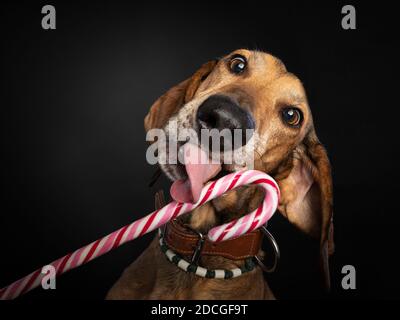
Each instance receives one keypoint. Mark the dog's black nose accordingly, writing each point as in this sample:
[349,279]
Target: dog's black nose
[221,112]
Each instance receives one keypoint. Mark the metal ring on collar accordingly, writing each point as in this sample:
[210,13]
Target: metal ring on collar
[277,253]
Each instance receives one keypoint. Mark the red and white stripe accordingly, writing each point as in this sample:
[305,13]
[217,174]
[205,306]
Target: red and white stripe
[160,217]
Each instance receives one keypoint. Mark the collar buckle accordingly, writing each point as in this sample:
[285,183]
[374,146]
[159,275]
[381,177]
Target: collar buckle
[199,246]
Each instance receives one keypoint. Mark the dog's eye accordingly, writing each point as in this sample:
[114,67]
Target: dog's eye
[237,64]
[292,116]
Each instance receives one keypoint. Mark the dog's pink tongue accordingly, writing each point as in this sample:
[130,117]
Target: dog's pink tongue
[199,170]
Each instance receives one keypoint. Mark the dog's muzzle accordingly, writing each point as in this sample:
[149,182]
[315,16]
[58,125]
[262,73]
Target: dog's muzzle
[222,113]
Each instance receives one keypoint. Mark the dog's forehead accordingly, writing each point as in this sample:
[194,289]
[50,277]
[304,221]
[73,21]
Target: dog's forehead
[261,63]
[263,71]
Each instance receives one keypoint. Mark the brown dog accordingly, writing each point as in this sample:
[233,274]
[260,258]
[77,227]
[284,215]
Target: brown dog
[286,147]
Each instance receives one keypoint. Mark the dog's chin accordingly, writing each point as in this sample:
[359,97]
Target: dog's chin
[178,172]
[174,171]
[231,205]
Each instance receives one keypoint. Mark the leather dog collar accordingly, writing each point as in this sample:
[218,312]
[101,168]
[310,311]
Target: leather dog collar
[187,242]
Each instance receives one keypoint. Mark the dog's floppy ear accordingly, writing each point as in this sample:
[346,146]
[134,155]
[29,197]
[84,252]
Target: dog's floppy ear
[306,195]
[176,97]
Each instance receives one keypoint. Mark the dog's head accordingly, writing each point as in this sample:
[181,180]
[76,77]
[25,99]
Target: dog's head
[253,90]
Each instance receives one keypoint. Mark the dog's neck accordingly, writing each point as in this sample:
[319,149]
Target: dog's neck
[247,286]
[228,207]
[232,205]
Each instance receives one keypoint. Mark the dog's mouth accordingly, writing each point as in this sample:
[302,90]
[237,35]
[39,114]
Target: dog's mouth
[198,170]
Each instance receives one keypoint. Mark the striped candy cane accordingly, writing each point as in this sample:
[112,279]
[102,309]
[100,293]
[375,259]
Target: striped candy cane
[160,217]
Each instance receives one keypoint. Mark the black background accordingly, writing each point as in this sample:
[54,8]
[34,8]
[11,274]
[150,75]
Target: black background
[73,100]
